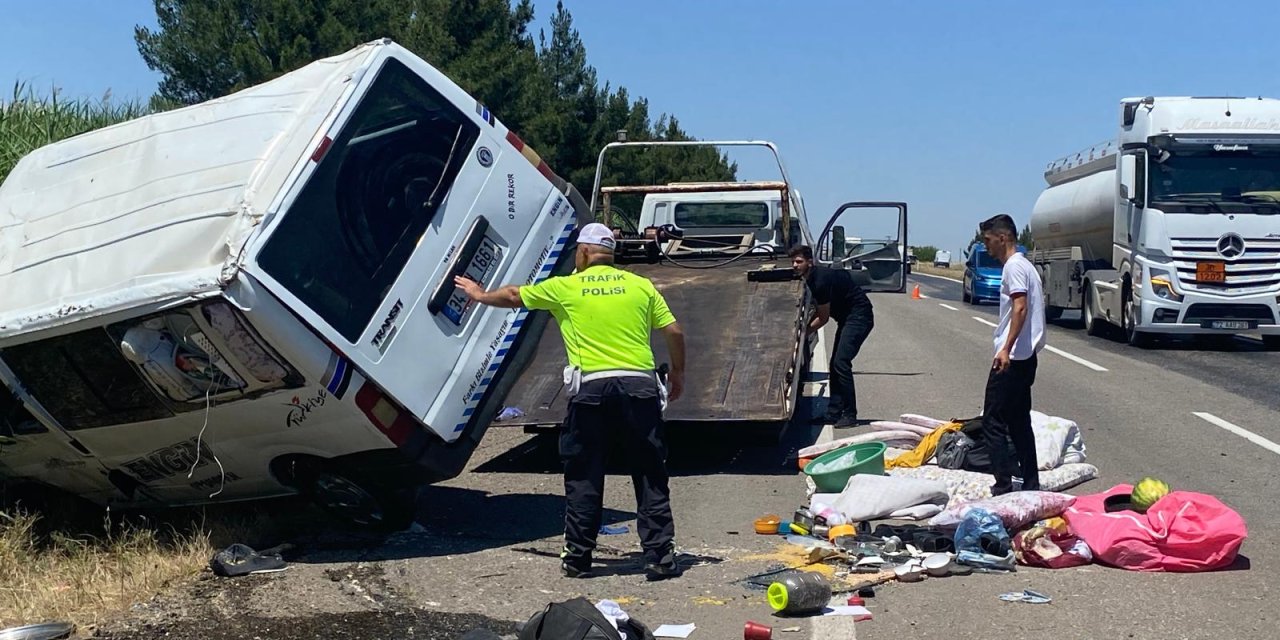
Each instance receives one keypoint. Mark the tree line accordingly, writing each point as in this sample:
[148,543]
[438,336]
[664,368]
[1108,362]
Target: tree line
[542,87]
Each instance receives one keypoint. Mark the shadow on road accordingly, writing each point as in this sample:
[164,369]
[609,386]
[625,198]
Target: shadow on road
[451,521]
[694,449]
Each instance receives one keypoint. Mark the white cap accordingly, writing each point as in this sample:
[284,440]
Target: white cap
[597,234]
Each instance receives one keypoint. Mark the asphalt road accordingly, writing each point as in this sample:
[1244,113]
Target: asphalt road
[488,539]
[1238,365]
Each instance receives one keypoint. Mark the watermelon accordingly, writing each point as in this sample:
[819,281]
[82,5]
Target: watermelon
[1147,492]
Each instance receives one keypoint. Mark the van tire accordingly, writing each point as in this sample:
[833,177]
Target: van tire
[1053,313]
[350,497]
[1271,343]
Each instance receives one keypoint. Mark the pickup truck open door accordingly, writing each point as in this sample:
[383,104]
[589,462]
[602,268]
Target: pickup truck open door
[880,263]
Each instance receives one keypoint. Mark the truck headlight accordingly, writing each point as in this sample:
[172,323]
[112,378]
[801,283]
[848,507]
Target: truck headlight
[1162,285]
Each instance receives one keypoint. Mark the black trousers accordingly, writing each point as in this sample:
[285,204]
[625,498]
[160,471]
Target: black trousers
[1006,416]
[850,335]
[624,413]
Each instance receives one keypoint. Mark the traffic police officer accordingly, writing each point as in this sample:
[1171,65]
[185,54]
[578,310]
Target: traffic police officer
[606,316]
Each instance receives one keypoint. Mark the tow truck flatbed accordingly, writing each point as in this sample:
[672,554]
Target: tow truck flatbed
[742,337]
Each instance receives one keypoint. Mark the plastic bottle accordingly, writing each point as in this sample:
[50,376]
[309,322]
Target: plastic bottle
[799,592]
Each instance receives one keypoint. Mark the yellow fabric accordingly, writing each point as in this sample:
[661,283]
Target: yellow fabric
[605,316]
[923,451]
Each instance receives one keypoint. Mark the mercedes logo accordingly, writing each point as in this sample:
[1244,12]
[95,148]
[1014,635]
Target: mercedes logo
[1231,245]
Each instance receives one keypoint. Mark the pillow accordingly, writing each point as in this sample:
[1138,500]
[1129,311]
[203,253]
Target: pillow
[1015,510]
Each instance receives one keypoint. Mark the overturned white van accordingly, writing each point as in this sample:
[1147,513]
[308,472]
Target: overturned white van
[254,296]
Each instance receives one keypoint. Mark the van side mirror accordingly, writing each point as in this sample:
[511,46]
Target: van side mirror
[1128,177]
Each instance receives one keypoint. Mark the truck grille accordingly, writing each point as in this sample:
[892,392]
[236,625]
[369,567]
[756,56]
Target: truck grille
[1255,271]
[1206,311]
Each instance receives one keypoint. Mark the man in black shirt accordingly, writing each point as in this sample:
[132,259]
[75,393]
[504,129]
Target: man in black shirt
[837,297]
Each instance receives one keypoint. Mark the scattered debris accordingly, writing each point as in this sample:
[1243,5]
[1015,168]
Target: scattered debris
[1028,596]
[675,630]
[241,560]
[43,631]
[509,413]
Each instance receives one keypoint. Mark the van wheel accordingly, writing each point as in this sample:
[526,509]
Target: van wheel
[1052,313]
[349,497]
[1271,343]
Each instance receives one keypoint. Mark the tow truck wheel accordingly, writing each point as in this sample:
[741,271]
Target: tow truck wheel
[348,497]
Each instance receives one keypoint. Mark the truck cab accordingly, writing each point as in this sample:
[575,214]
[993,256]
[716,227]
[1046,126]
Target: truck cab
[740,217]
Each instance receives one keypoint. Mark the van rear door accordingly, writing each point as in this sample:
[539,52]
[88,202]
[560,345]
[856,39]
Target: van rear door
[414,183]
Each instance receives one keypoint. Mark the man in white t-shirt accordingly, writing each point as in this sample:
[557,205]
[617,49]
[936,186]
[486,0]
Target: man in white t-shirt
[1017,340]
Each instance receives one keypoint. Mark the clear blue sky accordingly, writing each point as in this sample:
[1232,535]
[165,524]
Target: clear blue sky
[954,107]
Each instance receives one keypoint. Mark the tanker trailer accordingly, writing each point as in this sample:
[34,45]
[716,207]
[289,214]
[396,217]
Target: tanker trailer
[1172,228]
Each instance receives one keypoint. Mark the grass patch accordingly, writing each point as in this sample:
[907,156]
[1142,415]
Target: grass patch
[82,577]
[60,562]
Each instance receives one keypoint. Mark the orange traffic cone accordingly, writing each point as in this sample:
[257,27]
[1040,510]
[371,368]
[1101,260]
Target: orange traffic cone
[915,292]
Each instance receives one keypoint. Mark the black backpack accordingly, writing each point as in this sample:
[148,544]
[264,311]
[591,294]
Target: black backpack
[578,619]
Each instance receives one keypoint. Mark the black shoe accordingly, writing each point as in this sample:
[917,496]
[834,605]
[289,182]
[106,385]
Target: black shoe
[655,571]
[571,571]
[847,420]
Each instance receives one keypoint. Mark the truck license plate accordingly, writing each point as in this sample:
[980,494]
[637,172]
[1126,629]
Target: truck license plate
[1211,272]
[1230,324]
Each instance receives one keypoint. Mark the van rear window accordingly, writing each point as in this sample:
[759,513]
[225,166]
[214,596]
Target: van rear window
[721,214]
[343,243]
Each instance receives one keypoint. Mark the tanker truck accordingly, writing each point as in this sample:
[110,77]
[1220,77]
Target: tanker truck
[1172,228]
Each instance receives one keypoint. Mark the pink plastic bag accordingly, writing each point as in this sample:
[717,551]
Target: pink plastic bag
[1183,531]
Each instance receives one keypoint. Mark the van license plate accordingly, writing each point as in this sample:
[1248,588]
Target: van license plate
[479,269]
[1230,324]
[1211,272]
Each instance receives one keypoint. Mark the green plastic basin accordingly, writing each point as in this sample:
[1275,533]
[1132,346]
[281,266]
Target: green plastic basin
[869,459]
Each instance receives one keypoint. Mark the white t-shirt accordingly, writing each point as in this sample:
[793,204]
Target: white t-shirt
[1019,276]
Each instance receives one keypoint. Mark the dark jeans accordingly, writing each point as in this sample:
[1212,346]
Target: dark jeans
[850,335]
[1006,416]
[615,412]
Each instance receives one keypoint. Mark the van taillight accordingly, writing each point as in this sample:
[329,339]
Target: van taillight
[385,414]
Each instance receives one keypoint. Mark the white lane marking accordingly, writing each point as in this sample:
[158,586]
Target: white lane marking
[827,435]
[1074,358]
[930,275]
[1240,431]
[947,306]
[820,361]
